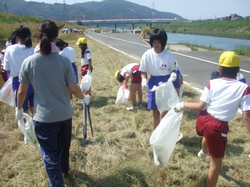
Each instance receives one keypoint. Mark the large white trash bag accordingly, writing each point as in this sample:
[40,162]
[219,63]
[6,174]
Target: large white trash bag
[6,93]
[26,126]
[86,83]
[165,96]
[165,136]
[122,96]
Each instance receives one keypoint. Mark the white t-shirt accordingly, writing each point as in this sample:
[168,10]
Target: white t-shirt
[69,53]
[224,96]
[155,64]
[87,56]
[128,69]
[14,57]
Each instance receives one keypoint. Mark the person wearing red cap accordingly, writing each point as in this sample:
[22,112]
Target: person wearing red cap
[221,99]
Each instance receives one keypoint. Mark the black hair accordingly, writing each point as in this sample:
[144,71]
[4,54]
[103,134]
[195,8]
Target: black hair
[24,33]
[84,47]
[12,38]
[230,72]
[120,77]
[158,34]
[215,75]
[47,31]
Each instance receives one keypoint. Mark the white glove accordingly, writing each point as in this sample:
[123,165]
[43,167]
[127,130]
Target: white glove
[19,113]
[173,76]
[86,99]
[89,72]
[179,107]
[144,83]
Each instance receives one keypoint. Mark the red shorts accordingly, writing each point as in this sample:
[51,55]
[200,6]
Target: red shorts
[215,133]
[136,75]
[84,70]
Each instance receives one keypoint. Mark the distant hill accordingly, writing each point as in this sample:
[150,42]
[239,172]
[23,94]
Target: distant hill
[91,10]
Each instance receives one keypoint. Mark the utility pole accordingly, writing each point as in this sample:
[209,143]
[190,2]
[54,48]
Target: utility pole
[64,11]
[6,9]
[153,11]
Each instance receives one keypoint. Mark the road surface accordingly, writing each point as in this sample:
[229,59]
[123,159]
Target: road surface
[196,66]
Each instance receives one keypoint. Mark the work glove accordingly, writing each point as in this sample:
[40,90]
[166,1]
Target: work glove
[144,83]
[179,107]
[125,86]
[173,76]
[19,114]
[86,99]
[89,72]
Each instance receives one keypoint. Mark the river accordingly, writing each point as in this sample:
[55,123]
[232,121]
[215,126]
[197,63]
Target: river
[208,41]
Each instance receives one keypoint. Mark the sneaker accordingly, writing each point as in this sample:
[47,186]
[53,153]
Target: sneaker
[202,155]
[132,108]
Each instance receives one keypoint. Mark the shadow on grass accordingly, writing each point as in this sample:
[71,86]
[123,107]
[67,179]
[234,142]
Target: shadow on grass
[99,102]
[223,173]
[125,177]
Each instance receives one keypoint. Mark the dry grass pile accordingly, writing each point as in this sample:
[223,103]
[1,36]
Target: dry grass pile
[120,153]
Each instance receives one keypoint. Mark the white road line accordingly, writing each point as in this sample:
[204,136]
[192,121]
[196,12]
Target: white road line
[195,88]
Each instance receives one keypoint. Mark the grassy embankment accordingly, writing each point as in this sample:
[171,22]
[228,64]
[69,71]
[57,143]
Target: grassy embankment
[120,153]
[232,29]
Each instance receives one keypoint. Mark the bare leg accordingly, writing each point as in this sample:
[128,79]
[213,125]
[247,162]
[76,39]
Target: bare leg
[204,145]
[213,172]
[139,92]
[132,93]
[156,118]
[164,113]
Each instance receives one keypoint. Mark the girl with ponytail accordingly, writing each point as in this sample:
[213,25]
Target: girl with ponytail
[49,73]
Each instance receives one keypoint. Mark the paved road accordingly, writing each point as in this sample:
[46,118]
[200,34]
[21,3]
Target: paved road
[196,66]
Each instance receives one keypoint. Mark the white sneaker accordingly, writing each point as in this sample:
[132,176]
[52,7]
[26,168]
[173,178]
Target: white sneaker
[202,155]
[132,108]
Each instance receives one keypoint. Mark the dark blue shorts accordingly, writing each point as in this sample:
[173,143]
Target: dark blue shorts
[75,70]
[29,100]
[154,80]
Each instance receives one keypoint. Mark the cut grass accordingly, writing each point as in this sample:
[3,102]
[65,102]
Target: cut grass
[120,153]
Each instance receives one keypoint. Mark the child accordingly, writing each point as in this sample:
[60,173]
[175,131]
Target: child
[86,59]
[68,52]
[161,65]
[221,98]
[13,59]
[131,71]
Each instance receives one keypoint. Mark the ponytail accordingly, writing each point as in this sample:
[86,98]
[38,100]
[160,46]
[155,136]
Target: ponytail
[47,32]
[84,47]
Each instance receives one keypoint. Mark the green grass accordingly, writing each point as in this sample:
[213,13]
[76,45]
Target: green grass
[120,153]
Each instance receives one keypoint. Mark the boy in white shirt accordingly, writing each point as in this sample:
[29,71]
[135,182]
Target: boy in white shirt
[221,98]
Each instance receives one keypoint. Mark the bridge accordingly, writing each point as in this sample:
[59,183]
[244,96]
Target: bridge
[122,20]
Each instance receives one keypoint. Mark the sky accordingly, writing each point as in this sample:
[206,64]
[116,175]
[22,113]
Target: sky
[188,9]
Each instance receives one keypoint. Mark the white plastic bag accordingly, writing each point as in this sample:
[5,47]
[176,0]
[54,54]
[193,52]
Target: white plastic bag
[165,96]
[86,83]
[6,93]
[165,136]
[122,96]
[27,128]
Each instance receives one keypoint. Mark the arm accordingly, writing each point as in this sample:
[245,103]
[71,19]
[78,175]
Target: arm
[75,89]
[126,78]
[21,94]
[143,75]
[195,106]
[246,119]
[90,63]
